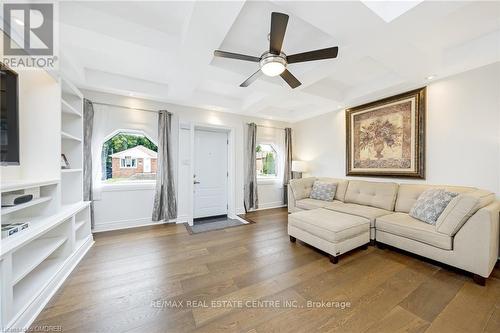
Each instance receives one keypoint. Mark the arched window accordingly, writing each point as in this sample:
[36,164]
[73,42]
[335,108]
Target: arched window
[129,157]
[266,160]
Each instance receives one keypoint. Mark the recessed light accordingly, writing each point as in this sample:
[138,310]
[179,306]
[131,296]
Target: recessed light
[430,77]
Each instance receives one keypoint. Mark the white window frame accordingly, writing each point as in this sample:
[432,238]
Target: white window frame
[277,160]
[125,185]
[123,163]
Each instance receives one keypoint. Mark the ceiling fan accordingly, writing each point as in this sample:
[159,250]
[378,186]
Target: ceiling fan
[274,61]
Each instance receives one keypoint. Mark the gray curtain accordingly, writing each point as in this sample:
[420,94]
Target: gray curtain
[165,204]
[251,198]
[88,126]
[287,174]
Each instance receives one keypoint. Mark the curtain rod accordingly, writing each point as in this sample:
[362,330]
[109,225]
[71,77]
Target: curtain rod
[125,107]
[279,128]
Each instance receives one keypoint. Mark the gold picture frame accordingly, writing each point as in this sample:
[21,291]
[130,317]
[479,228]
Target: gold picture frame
[386,138]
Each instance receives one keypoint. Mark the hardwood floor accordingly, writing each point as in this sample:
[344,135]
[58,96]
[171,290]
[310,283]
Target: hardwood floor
[142,280]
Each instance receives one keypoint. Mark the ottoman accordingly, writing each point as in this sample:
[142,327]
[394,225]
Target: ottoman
[332,232]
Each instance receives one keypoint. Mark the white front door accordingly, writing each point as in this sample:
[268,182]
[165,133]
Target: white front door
[210,173]
[147,165]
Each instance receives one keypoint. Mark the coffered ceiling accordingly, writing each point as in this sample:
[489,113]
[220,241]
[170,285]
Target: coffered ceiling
[163,50]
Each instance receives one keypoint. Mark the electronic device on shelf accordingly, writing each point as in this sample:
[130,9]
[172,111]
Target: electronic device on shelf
[9,116]
[9,200]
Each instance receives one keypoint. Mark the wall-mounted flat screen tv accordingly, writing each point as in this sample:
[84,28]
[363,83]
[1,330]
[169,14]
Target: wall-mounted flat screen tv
[9,118]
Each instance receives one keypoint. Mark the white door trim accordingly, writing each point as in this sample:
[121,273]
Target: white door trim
[231,198]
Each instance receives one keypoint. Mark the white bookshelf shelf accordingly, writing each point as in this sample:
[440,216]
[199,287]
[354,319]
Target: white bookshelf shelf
[30,287]
[12,209]
[79,224]
[71,170]
[68,109]
[15,185]
[40,225]
[67,136]
[30,256]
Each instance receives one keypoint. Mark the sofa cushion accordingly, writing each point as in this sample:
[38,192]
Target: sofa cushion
[460,209]
[370,213]
[329,225]
[404,225]
[309,203]
[430,204]
[375,194]
[409,193]
[301,188]
[341,186]
[323,191]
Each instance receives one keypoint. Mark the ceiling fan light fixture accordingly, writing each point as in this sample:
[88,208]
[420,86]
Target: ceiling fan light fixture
[273,65]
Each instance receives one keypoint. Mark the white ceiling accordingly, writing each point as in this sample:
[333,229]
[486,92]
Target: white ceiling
[163,50]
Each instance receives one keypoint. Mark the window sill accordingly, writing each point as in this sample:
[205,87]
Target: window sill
[129,186]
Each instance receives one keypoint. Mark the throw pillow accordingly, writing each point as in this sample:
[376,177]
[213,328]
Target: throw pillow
[430,204]
[323,191]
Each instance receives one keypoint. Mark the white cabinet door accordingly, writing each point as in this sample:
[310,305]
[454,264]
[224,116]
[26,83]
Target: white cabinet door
[210,173]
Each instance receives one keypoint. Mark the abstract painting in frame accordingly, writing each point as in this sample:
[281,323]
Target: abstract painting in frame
[387,138]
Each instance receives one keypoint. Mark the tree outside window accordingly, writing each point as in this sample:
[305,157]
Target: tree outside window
[266,157]
[129,157]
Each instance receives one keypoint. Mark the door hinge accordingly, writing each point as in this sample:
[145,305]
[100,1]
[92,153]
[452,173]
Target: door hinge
[227,141]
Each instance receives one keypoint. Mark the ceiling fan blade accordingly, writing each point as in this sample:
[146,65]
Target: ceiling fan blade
[327,53]
[290,79]
[251,79]
[278,28]
[238,56]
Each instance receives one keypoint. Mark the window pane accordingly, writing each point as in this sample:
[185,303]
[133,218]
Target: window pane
[123,158]
[266,157]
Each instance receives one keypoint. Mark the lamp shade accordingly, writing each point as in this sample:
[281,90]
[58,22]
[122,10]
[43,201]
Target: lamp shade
[299,166]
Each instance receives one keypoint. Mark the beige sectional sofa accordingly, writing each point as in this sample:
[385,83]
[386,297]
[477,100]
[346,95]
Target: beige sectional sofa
[465,236]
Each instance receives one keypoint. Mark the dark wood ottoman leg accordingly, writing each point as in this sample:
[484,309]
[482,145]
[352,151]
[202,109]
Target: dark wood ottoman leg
[293,239]
[478,279]
[364,247]
[333,259]
[373,242]
[380,245]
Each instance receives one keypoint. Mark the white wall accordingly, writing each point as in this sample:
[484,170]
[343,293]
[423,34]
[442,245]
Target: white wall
[463,133]
[122,206]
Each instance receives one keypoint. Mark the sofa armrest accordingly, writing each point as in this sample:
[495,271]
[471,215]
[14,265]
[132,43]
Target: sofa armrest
[477,241]
[302,187]
[299,189]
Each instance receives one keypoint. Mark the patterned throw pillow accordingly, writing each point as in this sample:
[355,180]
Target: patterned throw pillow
[323,191]
[430,204]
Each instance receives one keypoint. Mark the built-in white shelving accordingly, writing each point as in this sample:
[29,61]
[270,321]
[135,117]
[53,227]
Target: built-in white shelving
[67,136]
[31,255]
[79,224]
[15,185]
[12,209]
[68,109]
[35,261]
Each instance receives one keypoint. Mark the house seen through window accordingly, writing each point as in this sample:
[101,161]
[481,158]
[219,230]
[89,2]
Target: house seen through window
[266,157]
[129,157]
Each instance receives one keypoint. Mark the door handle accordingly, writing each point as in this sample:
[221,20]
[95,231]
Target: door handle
[196,182]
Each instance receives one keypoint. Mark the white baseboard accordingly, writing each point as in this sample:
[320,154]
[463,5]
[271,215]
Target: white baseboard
[126,224]
[271,205]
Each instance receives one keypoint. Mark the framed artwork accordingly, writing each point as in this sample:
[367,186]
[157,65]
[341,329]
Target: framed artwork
[64,162]
[387,138]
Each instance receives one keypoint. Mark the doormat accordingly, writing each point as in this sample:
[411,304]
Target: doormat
[212,225]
